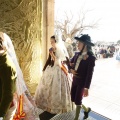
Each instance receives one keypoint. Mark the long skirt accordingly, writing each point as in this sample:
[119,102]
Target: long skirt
[53,91]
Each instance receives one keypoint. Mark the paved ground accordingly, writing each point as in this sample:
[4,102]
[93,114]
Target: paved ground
[104,92]
[105,89]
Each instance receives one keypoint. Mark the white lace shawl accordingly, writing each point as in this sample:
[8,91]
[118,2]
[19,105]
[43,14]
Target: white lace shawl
[21,87]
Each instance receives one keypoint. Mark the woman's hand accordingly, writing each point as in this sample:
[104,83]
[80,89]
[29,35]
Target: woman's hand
[67,61]
[73,72]
[51,50]
[85,92]
[71,64]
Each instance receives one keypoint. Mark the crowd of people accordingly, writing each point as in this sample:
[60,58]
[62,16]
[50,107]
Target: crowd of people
[100,50]
[65,81]
[106,51]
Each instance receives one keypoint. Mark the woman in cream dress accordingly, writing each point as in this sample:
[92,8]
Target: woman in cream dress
[53,92]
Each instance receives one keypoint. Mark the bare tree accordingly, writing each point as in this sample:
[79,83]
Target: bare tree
[70,27]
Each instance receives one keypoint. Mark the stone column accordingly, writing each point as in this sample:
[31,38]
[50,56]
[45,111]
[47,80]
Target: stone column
[48,26]
[21,20]
[50,21]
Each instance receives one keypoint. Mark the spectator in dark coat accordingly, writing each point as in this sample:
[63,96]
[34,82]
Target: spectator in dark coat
[8,77]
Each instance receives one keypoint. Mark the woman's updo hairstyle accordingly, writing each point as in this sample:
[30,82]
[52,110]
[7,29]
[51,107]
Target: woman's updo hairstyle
[53,37]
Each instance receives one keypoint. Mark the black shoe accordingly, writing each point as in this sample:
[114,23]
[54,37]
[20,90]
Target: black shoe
[46,116]
[86,113]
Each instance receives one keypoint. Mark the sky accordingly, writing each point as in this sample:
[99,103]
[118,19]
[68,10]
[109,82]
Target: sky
[106,12]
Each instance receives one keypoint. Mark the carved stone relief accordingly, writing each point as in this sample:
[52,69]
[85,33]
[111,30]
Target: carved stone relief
[20,19]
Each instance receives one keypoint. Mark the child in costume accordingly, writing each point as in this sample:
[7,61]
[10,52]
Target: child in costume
[82,66]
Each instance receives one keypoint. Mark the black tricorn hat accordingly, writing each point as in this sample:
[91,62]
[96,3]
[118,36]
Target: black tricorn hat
[86,39]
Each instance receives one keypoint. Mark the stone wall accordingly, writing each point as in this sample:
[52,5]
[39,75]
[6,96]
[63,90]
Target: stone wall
[21,20]
[29,23]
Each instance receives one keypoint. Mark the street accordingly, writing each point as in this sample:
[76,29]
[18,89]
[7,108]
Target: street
[104,94]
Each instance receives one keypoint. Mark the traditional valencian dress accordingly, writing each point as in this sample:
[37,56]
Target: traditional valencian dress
[26,108]
[53,92]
